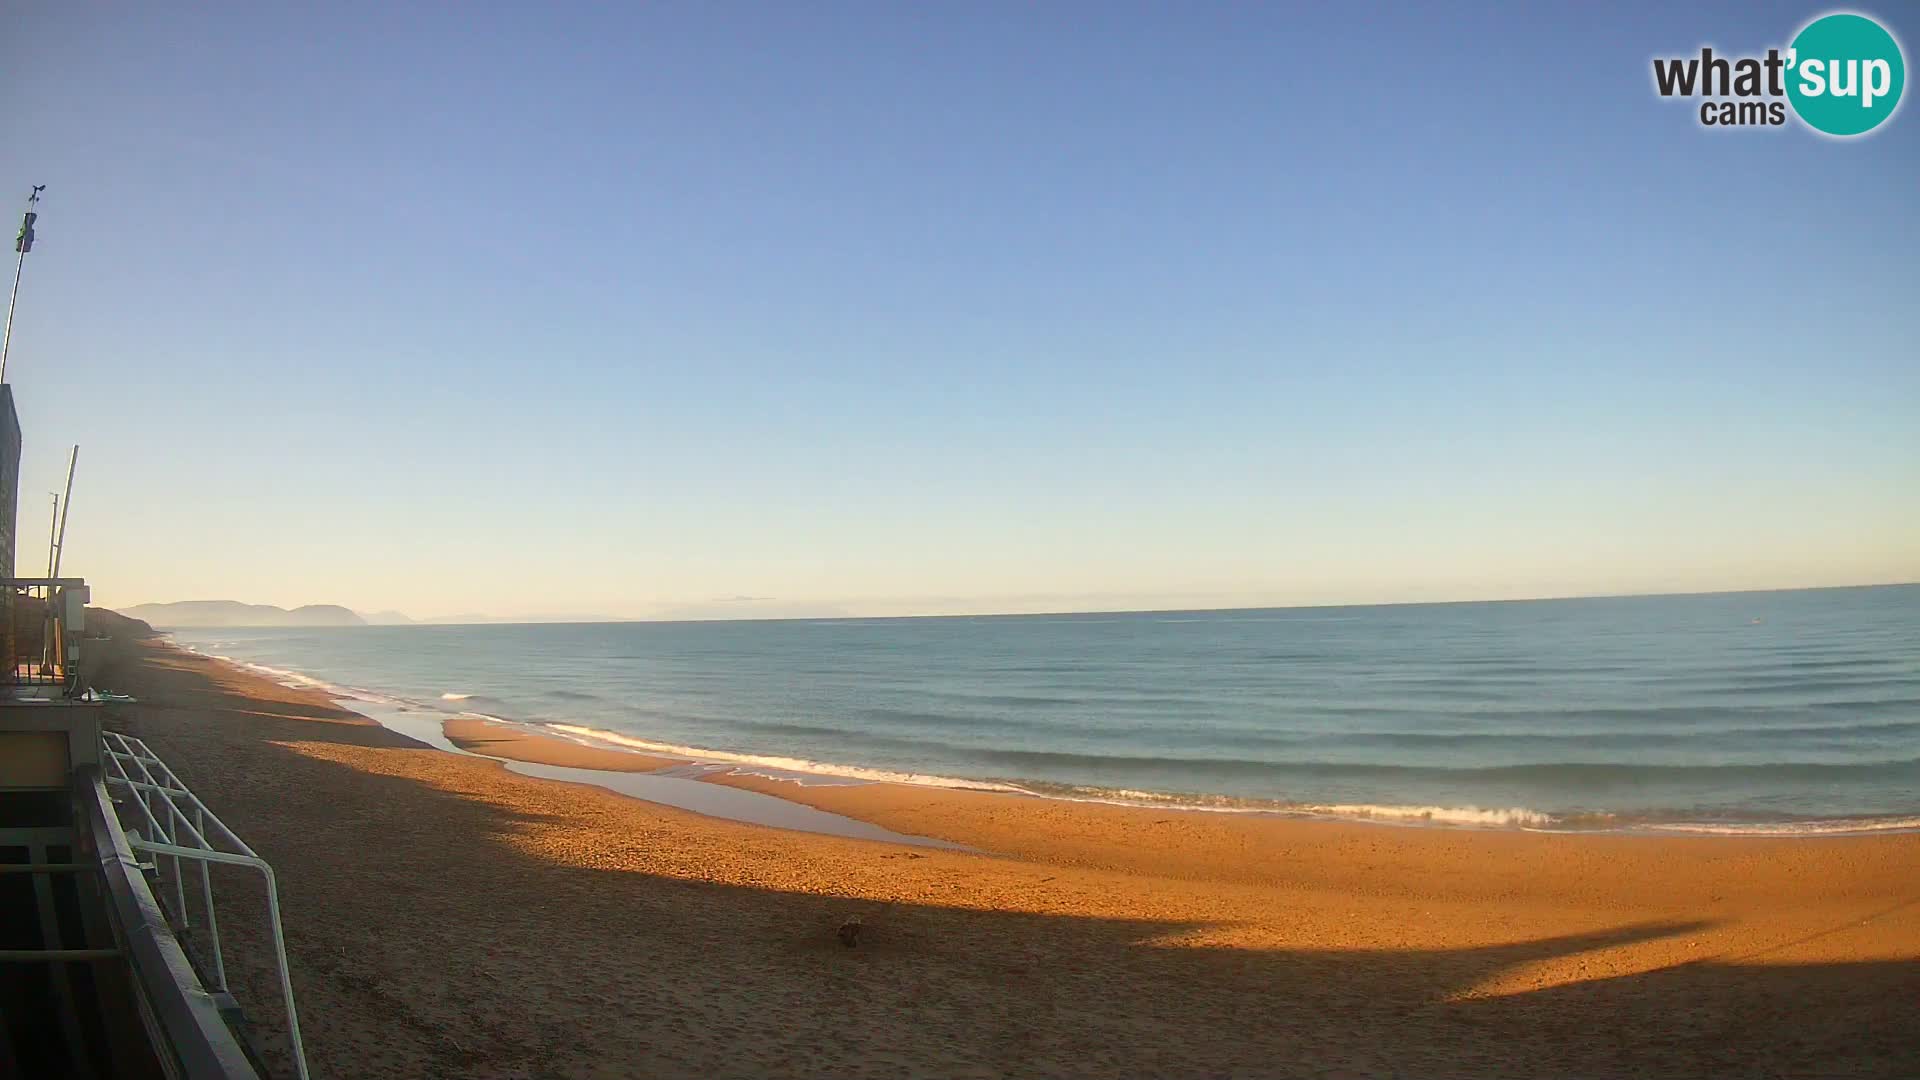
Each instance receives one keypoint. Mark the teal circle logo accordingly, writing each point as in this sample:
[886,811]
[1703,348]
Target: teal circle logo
[1845,74]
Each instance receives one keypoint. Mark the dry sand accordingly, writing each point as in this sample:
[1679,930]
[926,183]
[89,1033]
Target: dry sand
[449,918]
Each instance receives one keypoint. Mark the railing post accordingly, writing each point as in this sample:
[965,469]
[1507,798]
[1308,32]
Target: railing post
[206,900]
[180,894]
[286,976]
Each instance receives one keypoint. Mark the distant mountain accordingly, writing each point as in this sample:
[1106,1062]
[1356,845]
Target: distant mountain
[199,614]
[188,614]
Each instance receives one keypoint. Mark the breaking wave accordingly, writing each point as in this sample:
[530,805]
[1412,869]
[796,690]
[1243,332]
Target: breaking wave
[748,762]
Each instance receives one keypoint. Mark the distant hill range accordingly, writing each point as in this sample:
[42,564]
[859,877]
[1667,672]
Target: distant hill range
[205,614]
[216,613]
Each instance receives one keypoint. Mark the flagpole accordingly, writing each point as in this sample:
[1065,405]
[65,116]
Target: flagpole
[25,242]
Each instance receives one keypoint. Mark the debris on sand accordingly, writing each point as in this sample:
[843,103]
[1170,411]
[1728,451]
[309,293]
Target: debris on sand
[849,932]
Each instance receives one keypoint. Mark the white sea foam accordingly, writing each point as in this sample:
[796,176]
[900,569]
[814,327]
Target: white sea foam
[1513,817]
[784,767]
[1212,804]
[295,680]
[1440,815]
[455,697]
[784,764]
[1824,827]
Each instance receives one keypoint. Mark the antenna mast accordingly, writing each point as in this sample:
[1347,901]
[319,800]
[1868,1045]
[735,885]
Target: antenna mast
[22,244]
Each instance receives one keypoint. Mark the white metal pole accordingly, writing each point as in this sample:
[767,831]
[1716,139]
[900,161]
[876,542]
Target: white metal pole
[53,531]
[66,504]
[6,339]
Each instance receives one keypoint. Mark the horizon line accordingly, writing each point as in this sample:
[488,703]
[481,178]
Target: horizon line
[538,621]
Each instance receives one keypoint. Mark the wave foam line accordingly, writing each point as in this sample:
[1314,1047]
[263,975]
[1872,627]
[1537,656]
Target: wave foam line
[1442,815]
[295,680]
[787,764]
[1824,827]
[1512,817]
[1212,804]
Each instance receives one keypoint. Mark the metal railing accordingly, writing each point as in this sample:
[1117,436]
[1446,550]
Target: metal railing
[42,620]
[182,1021]
[174,823]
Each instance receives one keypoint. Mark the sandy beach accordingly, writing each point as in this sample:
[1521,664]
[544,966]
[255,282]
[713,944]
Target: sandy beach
[447,917]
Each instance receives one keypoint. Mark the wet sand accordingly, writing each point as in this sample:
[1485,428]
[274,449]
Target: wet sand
[450,918]
[671,782]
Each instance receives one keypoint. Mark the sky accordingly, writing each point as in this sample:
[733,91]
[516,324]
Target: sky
[709,310]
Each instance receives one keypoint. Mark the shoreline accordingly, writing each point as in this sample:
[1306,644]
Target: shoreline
[580,747]
[508,924]
[519,740]
[902,808]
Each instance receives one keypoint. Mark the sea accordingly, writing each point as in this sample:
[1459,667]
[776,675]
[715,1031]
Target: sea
[1794,712]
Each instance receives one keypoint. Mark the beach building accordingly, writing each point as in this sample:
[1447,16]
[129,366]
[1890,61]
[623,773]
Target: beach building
[110,962]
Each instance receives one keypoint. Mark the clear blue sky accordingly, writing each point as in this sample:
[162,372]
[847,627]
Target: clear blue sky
[891,308]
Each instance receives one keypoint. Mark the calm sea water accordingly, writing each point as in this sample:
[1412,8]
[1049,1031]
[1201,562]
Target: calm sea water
[1792,711]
